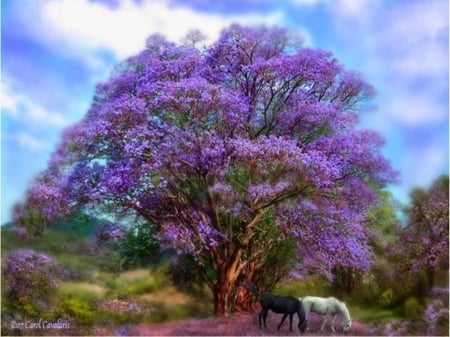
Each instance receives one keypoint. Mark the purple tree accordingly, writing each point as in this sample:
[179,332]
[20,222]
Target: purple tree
[424,241]
[227,150]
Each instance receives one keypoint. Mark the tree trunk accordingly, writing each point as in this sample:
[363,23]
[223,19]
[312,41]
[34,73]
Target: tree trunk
[245,299]
[222,299]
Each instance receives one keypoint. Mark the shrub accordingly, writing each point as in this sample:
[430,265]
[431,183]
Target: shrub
[81,311]
[387,297]
[412,309]
[30,275]
[138,247]
[184,274]
[437,313]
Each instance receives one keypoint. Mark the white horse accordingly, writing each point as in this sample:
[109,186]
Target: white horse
[330,307]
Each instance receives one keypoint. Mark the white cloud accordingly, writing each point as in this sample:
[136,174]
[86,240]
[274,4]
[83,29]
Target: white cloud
[18,106]
[418,33]
[414,109]
[84,26]
[358,9]
[28,141]
[344,10]
[405,48]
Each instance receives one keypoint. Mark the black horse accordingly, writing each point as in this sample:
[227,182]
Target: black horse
[281,305]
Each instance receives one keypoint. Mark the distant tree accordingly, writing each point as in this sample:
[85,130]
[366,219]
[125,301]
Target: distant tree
[424,242]
[227,151]
[138,247]
[382,222]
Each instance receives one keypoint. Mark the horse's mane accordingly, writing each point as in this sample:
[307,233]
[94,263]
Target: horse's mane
[345,311]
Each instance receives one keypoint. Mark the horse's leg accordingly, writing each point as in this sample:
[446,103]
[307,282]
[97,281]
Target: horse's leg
[260,318]
[282,320]
[332,323]
[306,317]
[264,317]
[291,316]
[327,318]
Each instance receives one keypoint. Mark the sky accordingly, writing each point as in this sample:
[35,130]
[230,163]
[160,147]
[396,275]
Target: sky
[54,52]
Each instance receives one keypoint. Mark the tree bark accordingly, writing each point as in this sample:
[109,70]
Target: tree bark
[222,299]
[245,299]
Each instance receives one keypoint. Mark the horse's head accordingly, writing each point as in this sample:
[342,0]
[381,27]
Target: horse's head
[302,321]
[347,325]
[302,326]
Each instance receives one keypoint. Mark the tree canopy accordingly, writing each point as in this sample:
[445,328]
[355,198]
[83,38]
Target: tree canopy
[424,240]
[227,150]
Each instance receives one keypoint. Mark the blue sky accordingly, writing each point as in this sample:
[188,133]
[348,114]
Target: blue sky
[55,51]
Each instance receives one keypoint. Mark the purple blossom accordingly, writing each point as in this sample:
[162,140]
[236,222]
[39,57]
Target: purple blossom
[211,144]
[109,232]
[28,273]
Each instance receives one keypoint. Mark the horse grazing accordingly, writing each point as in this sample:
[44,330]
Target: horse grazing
[330,307]
[282,305]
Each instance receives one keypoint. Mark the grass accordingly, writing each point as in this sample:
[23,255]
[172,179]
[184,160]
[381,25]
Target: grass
[91,284]
[318,286]
[312,286]
[372,315]
[82,290]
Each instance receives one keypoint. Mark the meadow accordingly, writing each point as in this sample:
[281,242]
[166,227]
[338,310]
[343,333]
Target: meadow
[98,297]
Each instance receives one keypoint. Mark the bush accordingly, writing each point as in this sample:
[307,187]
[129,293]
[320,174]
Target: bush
[30,276]
[387,297]
[412,309]
[81,311]
[138,247]
[437,313]
[184,274]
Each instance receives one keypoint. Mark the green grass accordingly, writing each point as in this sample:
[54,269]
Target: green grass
[313,286]
[372,315]
[83,290]
[318,286]
[90,283]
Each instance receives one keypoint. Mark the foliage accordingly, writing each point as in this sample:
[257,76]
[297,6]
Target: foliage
[422,320]
[108,232]
[80,224]
[437,314]
[138,247]
[423,245]
[185,274]
[210,145]
[314,285]
[412,308]
[30,275]
[368,286]
[80,311]
[387,297]
[86,291]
